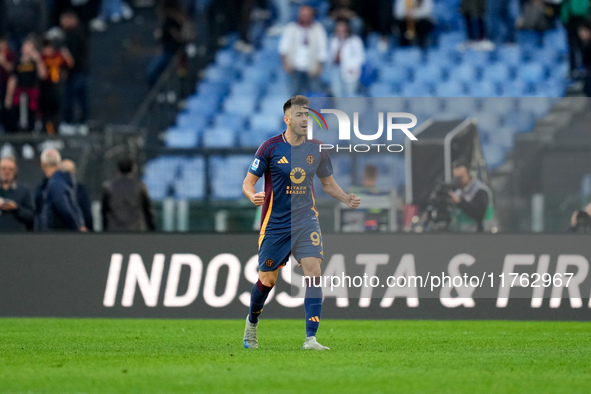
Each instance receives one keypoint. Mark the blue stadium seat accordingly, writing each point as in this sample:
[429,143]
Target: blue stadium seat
[493,155]
[539,106]
[510,55]
[531,72]
[488,121]
[528,38]
[522,121]
[449,89]
[382,89]
[483,88]
[396,74]
[246,88]
[258,75]
[497,73]
[516,88]
[464,73]
[191,184]
[221,75]
[416,90]
[231,121]
[429,74]
[503,137]
[181,138]
[410,56]
[499,105]
[463,106]
[226,58]
[191,120]
[267,123]
[218,138]
[476,58]
[240,105]
[227,175]
[451,40]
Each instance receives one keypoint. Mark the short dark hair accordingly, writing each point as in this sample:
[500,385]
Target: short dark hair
[370,171]
[125,165]
[461,163]
[296,100]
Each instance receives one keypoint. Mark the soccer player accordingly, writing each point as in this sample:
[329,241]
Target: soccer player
[289,225]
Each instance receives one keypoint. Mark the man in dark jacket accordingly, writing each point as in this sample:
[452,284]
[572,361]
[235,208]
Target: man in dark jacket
[57,207]
[16,203]
[81,193]
[126,202]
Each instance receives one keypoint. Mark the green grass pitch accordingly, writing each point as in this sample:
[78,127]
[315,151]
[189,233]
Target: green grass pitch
[143,356]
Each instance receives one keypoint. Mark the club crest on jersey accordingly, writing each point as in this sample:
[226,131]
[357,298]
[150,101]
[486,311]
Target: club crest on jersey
[269,263]
[255,164]
[297,175]
[310,159]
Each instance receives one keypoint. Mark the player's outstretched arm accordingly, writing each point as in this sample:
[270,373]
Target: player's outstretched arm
[332,188]
[249,191]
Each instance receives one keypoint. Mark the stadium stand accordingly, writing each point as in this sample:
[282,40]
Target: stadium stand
[237,103]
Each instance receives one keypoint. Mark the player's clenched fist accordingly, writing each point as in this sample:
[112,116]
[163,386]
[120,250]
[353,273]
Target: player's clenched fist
[258,199]
[353,201]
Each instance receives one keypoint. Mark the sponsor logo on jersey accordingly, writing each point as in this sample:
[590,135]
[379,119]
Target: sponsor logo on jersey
[297,175]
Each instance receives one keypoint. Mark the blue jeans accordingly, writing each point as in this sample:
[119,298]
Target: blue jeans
[76,96]
[303,83]
[501,18]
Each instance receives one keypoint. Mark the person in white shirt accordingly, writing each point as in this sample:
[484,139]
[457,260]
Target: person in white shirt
[346,58]
[415,21]
[303,51]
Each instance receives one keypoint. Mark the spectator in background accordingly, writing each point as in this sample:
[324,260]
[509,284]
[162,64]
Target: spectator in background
[22,93]
[126,202]
[172,20]
[57,208]
[347,56]
[342,10]
[81,192]
[369,182]
[7,63]
[415,21]
[76,94]
[573,14]
[474,11]
[56,61]
[533,17]
[502,15]
[20,18]
[585,37]
[376,16]
[303,51]
[16,203]
[87,10]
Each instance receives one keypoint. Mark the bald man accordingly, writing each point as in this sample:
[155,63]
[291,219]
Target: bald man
[57,206]
[81,192]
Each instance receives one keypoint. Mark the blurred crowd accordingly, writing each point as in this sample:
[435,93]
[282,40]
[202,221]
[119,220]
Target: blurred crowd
[62,203]
[44,44]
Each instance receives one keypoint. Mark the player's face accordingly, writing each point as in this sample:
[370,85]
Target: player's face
[462,174]
[7,171]
[299,120]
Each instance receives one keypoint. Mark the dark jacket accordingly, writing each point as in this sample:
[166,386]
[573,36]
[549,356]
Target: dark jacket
[57,207]
[22,17]
[21,219]
[84,204]
[126,205]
